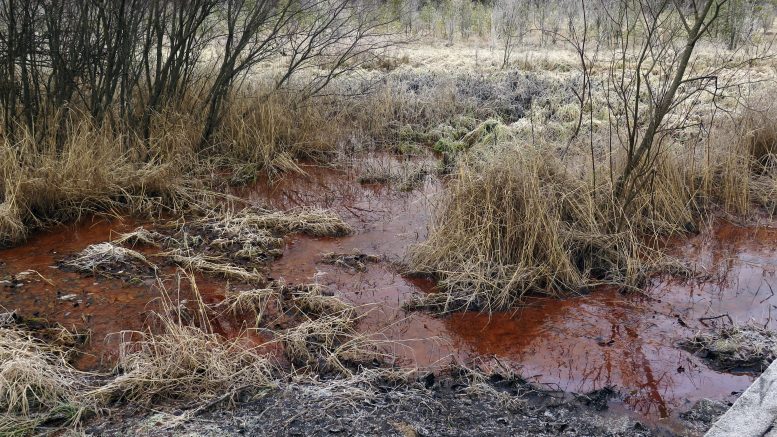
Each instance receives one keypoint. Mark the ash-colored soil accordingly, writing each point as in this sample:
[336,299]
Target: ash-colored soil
[447,408]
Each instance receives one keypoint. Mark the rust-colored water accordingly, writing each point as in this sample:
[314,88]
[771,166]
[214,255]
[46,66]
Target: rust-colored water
[100,306]
[579,344]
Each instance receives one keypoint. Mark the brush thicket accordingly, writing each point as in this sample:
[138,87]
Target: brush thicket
[521,220]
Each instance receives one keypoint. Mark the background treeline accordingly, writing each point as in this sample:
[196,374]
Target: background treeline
[547,21]
[122,62]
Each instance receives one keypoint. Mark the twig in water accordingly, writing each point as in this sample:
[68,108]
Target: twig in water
[704,319]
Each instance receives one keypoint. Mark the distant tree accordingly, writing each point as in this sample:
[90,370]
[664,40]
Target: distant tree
[450,18]
[465,17]
[510,22]
[481,19]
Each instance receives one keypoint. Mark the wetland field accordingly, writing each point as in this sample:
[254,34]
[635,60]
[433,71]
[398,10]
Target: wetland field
[510,217]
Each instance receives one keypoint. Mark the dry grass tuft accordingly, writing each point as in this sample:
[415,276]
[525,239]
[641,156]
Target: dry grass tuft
[106,257]
[37,384]
[328,343]
[760,135]
[238,232]
[315,222]
[314,300]
[95,166]
[256,301]
[41,182]
[406,177]
[522,224]
[31,375]
[326,340]
[519,219]
[213,265]
[248,235]
[183,360]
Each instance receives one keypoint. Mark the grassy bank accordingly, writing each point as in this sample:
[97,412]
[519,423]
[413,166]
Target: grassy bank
[521,218]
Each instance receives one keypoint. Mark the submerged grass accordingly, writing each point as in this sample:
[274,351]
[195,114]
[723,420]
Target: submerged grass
[737,347]
[179,358]
[104,257]
[213,265]
[311,221]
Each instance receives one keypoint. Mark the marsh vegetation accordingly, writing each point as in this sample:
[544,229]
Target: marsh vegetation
[460,161]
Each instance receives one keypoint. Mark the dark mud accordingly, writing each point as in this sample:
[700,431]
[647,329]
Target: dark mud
[448,407]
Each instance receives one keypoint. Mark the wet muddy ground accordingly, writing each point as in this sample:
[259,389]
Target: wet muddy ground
[628,342]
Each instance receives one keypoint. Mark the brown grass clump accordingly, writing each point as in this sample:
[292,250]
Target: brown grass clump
[311,221]
[99,167]
[37,384]
[328,343]
[519,220]
[213,265]
[183,360]
[521,224]
[326,340]
[760,136]
[314,300]
[251,234]
[91,171]
[256,301]
[237,232]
